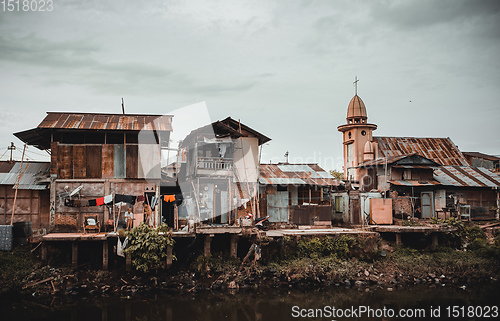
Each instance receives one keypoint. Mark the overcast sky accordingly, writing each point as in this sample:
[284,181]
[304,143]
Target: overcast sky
[284,68]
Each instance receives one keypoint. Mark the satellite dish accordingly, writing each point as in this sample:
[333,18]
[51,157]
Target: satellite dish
[76,191]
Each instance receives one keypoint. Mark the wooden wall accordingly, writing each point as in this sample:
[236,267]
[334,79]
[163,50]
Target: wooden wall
[71,218]
[97,161]
[31,205]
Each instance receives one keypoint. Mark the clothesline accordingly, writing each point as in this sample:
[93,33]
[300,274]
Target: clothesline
[119,198]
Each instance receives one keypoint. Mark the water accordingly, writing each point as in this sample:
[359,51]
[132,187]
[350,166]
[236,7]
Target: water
[262,305]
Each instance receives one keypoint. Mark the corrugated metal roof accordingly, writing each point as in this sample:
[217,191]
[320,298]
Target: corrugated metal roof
[441,150]
[106,121]
[481,155]
[32,172]
[382,161]
[403,161]
[294,168]
[295,174]
[466,176]
[414,183]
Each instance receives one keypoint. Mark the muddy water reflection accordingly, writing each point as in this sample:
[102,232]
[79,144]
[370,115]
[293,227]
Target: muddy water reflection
[255,305]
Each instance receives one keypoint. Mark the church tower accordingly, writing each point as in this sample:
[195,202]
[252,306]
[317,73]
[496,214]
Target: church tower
[357,137]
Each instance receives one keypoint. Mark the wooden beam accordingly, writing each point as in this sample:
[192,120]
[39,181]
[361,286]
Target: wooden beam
[128,262]
[233,250]
[169,256]
[74,255]
[435,240]
[105,259]
[206,244]
[398,238]
[45,252]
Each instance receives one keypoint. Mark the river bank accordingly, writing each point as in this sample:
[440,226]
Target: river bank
[304,264]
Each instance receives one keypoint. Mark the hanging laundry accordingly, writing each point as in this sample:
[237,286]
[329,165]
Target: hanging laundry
[76,203]
[84,203]
[154,201]
[92,203]
[68,202]
[140,198]
[169,198]
[125,198]
[99,201]
[108,199]
[178,199]
[121,246]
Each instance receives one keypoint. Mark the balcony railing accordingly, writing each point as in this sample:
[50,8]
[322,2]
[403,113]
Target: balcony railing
[214,164]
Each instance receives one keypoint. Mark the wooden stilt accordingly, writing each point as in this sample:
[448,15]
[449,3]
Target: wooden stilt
[233,251]
[128,262]
[74,255]
[169,314]
[206,247]
[45,252]
[435,240]
[128,312]
[398,238]
[105,259]
[169,256]
[104,313]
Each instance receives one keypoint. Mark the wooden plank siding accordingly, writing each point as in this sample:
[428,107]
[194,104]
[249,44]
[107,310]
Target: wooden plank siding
[132,160]
[94,157]
[108,152]
[31,205]
[53,159]
[93,161]
[79,161]
[65,160]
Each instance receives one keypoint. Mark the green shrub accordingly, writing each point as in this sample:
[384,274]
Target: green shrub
[148,249]
[326,246]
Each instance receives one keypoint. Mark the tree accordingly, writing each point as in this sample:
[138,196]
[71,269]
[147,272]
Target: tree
[337,174]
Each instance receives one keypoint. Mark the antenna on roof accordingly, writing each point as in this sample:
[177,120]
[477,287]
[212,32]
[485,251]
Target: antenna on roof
[123,106]
[286,157]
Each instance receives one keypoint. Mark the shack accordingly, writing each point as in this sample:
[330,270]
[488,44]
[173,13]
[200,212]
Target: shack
[477,159]
[218,173]
[32,200]
[296,193]
[95,157]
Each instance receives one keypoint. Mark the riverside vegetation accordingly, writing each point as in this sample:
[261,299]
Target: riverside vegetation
[465,259]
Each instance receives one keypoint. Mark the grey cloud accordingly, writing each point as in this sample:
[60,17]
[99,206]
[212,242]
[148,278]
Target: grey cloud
[426,13]
[74,62]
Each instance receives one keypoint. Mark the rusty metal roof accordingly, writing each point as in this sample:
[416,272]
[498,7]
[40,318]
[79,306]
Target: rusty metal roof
[224,128]
[440,150]
[106,121]
[34,175]
[481,155]
[40,136]
[466,176]
[414,183]
[402,161]
[295,174]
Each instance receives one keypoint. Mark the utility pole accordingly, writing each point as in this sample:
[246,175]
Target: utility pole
[17,187]
[123,106]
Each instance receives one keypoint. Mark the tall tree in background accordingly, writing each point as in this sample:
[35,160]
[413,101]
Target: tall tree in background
[337,174]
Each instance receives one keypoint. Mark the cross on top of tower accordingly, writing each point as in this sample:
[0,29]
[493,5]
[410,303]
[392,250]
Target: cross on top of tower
[356,85]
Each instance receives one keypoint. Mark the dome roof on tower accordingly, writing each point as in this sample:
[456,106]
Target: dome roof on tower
[356,108]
